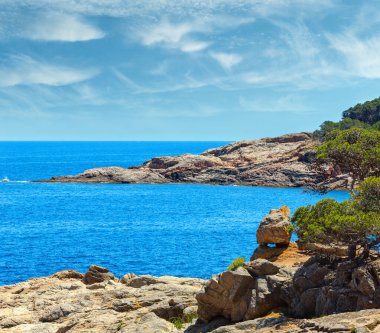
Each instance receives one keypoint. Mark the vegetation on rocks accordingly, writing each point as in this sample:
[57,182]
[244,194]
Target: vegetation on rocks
[355,152]
[236,263]
[365,115]
[368,112]
[355,222]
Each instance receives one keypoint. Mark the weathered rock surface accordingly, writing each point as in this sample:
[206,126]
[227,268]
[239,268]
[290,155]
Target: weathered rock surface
[97,274]
[248,292]
[321,285]
[275,228]
[365,321]
[324,286]
[64,303]
[281,161]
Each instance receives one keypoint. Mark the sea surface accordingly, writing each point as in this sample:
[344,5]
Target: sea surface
[182,230]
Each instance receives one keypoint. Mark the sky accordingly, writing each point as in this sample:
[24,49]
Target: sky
[183,69]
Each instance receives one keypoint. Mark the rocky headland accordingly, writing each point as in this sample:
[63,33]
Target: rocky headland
[282,161]
[281,289]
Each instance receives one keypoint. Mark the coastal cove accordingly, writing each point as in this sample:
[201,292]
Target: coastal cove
[164,229]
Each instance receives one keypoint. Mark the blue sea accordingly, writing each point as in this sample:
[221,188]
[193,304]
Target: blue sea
[181,230]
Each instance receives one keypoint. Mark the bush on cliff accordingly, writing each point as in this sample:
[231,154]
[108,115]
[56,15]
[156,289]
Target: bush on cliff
[355,222]
[366,115]
[367,197]
[236,263]
[368,112]
[355,151]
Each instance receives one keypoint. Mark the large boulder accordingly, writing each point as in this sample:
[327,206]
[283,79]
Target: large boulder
[275,228]
[227,294]
[246,293]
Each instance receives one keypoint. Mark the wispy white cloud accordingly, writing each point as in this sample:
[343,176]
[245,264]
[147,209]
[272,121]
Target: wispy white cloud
[172,35]
[24,70]
[301,43]
[318,75]
[287,103]
[193,46]
[165,32]
[61,27]
[46,25]
[226,60]
[178,8]
[362,55]
[189,35]
[185,83]
[195,111]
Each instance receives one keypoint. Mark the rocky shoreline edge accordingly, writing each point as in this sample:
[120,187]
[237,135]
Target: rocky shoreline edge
[285,288]
[282,161]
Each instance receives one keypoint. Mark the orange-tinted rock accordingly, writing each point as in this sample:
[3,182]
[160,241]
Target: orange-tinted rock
[275,228]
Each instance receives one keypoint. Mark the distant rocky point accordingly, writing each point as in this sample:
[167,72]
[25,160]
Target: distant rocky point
[279,162]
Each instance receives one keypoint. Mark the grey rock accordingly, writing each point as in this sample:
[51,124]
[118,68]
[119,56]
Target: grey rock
[56,312]
[122,305]
[262,267]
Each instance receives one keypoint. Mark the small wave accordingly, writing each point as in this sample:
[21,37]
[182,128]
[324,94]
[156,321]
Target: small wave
[7,180]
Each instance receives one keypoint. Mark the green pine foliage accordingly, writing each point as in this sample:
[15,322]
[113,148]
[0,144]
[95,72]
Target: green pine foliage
[368,112]
[367,197]
[355,151]
[366,115]
[355,222]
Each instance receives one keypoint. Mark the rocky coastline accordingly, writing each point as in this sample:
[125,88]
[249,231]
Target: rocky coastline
[282,161]
[283,288]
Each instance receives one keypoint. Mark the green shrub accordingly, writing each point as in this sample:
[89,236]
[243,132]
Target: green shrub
[177,322]
[180,322]
[366,115]
[355,151]
[355,222]
[329,126]
[368,112]
[236,263]
[367,195]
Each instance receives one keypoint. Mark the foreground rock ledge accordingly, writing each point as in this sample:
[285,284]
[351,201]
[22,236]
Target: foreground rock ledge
[69,301]
[279,162]
[97,302]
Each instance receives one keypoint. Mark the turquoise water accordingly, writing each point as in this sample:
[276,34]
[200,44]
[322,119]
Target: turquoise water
[182,230]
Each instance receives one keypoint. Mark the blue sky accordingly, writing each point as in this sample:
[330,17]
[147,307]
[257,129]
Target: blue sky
[182,69]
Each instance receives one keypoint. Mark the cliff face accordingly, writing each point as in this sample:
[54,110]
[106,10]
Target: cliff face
[282,161]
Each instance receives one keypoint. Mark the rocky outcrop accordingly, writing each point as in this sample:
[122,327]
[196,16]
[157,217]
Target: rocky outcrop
[281,161]
[227,294]
[322,285]
[366,321]
[97,274]
[246,293]
[64,303]
[275,228]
